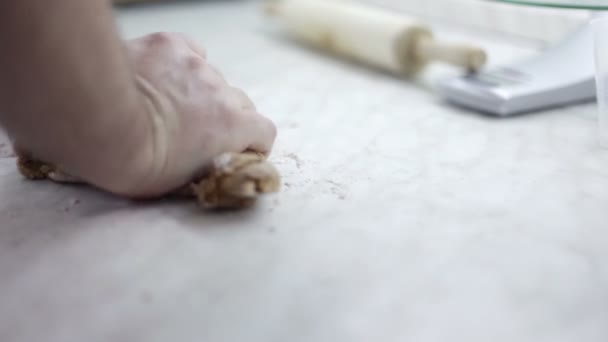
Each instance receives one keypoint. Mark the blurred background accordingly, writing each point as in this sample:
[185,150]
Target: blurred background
[544,25]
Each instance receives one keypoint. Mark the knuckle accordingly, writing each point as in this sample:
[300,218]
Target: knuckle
[194,62]
[197,48]
[230,108]
[213,80]
[159,38]
[242,98]
[212,86]
[239,93]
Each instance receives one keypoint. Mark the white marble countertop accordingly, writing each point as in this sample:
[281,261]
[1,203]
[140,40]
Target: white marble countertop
[401,219]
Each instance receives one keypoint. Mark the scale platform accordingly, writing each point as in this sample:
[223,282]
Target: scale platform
[561,75]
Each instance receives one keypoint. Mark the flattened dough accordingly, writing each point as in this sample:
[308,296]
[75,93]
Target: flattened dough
[233,181]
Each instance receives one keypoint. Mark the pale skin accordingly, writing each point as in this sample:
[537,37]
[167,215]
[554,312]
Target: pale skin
[138,118]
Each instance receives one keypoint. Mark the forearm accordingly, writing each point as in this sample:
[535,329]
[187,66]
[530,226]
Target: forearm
[65,85]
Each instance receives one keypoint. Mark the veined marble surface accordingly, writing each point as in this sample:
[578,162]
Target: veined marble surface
[401,219]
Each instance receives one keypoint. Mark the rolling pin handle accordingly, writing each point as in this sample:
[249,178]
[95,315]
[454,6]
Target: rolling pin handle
[466,56]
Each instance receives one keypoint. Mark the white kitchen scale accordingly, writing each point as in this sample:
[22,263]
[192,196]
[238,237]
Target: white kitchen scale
[561,75]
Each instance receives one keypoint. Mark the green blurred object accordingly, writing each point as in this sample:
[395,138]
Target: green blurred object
[580,4]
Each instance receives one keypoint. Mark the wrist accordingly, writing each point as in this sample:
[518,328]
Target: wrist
[113,158]
[137,171]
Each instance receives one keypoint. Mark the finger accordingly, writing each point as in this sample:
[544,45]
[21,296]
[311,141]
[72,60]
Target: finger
[159,40]
[62,177]
[259,131]
[244,102]
[148,48]
[195,47]
[234,100]
[213,79]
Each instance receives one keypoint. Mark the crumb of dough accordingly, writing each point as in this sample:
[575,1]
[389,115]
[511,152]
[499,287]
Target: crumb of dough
[33,169]
[236,180]
[233,181]
[296,159]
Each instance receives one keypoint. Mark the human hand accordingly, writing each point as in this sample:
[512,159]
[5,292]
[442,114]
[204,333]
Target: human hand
[195,115]
[191,116]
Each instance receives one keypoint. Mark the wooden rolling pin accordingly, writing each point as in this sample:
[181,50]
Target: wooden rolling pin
[387,40]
